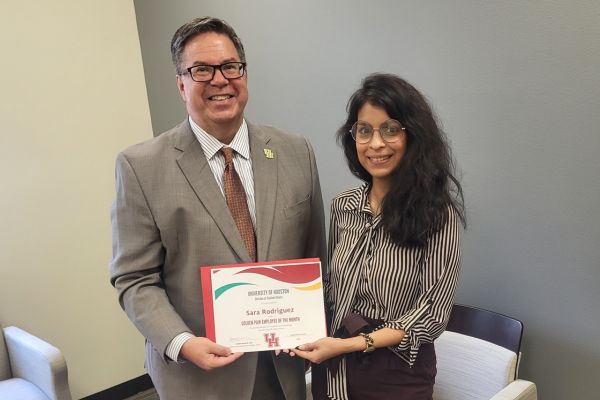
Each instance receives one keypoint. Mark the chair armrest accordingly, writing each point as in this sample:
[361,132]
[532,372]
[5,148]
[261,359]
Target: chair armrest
[517,390]
[38,362]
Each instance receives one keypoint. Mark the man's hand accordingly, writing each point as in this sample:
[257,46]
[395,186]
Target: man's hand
[206,354]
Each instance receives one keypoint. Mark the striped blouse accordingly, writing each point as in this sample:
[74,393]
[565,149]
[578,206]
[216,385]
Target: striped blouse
[408,288]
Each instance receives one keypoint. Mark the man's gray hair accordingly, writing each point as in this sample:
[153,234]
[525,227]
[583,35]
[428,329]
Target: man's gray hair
[197,27]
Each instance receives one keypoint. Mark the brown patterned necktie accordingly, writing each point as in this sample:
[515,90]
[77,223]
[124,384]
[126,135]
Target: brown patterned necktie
[236,201]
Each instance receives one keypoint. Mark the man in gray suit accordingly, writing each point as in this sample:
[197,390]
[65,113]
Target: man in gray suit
[170,217]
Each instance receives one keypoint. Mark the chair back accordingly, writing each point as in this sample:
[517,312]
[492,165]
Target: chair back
[477,355]
[487,325]
[5,371]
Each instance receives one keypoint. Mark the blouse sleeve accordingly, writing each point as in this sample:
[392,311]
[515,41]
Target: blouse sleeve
[333,240]
[440,267]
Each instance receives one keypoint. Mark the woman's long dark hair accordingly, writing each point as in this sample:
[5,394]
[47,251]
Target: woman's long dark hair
[423,184]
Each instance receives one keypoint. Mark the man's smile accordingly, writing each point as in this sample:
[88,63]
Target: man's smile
[220,97]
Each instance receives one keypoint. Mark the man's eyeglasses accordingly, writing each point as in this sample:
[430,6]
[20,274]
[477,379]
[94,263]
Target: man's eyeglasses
[205,73]
[390,131]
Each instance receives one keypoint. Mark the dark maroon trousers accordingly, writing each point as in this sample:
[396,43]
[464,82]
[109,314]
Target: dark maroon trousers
[382,375]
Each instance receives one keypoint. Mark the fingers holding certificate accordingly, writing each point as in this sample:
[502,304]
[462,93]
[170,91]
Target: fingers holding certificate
[206,354]
[264,306]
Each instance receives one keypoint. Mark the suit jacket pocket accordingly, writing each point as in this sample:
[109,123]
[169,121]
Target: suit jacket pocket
[297,208]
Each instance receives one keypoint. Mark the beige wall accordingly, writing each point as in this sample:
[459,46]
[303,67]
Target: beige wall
[72,95]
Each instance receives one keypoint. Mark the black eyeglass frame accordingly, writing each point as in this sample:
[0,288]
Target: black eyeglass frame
[383,136]
[215,67]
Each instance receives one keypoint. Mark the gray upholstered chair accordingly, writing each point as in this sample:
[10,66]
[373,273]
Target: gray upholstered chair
[478,357]
[30,368]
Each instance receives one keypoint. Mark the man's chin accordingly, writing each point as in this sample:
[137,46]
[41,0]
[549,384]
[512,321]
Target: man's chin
[226,121]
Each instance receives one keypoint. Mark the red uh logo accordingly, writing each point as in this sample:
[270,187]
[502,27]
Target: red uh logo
[272,340]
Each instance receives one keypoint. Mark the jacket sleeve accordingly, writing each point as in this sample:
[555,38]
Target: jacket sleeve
[138,260]
[316,245]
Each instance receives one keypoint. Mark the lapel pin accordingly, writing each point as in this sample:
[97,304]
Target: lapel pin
[269,153]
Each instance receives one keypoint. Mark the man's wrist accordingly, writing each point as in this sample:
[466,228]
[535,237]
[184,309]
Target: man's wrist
[174,348]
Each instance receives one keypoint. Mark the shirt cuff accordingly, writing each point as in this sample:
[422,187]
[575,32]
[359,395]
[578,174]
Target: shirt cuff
[175,346]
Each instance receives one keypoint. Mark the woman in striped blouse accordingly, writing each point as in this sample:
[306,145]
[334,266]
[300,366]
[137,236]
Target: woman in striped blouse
[393,249]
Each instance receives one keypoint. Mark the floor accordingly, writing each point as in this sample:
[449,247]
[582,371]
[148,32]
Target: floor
[146,395]
[152,395]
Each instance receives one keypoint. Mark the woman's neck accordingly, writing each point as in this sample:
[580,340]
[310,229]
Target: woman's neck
[376,195]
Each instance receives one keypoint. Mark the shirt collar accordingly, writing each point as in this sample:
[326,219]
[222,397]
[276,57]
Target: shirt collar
[360,199]
[211,145]
[360,203]
[363,203]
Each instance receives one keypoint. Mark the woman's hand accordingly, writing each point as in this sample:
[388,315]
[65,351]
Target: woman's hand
[324,349]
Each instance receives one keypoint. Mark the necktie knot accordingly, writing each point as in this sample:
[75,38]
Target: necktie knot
[228,153]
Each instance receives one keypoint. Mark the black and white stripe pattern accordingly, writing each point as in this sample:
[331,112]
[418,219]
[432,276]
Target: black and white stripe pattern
[409,288]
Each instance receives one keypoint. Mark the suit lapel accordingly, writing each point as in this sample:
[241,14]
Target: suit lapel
[264,167]
[194,166]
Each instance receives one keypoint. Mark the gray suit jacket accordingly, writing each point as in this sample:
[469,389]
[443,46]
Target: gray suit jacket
[169,218]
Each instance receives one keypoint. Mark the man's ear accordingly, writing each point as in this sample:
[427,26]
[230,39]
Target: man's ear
[180,86]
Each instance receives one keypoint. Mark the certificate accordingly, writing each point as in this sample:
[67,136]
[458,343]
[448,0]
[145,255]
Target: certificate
[264,306]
